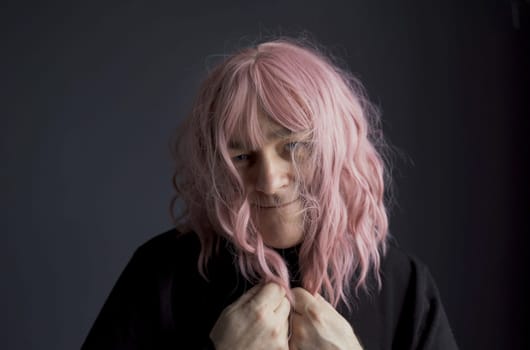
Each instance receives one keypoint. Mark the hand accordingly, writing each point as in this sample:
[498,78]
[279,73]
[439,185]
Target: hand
[259,319]
[315,324]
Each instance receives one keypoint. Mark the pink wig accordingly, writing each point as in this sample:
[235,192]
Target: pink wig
[345,218]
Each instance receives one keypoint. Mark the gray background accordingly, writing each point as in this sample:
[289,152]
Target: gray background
[92,92]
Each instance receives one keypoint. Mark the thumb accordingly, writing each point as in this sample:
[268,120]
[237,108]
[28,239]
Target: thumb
[302,299]
[249,294]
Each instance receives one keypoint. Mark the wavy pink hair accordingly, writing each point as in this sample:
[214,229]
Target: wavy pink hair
[345,218]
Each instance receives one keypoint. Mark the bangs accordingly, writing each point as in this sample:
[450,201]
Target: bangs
[239,119]
[262,88]
[282,98]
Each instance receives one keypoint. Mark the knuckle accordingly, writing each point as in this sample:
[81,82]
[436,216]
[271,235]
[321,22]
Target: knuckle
[257,313]
[315,316]
[299,332]
[314,313]
[275,333]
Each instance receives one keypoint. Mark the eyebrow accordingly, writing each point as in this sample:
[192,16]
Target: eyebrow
[276,134]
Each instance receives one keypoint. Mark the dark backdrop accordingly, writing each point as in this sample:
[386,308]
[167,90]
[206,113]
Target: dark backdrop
[92,91]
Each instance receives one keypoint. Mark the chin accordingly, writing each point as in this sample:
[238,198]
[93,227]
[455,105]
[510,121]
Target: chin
[282,227]
[282,245]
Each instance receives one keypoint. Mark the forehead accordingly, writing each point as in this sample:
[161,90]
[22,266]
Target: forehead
[266,130]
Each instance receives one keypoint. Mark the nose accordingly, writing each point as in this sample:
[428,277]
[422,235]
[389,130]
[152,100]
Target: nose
[272,174]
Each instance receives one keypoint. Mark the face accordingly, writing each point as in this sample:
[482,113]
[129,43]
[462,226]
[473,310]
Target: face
[269,177]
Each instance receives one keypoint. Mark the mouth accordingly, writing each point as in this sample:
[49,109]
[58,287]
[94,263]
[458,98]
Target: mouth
[274,206]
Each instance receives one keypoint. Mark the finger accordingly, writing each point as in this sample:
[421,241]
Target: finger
[302,299]
[319,298]
[297,319]
[293,345]
[322,303]
[323,306]
[249,294]
[284,319]
[271,294]
[283,310]
[298,328]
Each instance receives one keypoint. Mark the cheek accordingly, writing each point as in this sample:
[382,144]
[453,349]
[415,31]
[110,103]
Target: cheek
[246,178]
[304,172]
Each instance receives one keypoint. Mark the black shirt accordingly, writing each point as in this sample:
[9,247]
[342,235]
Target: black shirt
[162,302]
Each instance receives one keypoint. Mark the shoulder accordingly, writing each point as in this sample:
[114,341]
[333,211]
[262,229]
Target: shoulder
[407,281]
[401,267]
[169,244]
[171,239]
[418,313]
[137,313]
[406,277]
[165,254]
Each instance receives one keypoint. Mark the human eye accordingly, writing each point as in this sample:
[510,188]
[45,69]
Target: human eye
[241,158]
[296,148]
[291,146]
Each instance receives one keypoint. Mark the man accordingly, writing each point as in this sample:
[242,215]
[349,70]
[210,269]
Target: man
[283,241]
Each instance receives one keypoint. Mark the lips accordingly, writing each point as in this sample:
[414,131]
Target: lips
[274,206]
